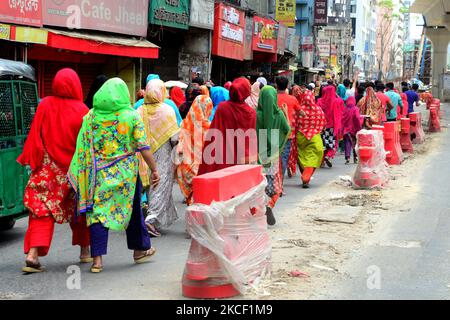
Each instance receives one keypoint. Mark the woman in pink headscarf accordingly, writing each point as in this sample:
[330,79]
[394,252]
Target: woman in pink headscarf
[351,124]
[333,107]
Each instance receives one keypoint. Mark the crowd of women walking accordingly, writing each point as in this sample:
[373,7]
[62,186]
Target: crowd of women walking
[93,162]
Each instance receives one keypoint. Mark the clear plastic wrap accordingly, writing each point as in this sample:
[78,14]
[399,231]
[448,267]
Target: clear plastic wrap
[372,170]
[16,68]
[230,241]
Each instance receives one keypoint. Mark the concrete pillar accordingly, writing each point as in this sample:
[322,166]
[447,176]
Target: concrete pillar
[440,39]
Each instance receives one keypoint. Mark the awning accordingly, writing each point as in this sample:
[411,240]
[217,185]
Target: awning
[102,44]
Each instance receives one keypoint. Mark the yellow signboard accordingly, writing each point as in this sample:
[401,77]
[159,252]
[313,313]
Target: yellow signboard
[31,35]
[333,61]
[285,12]
[5,31]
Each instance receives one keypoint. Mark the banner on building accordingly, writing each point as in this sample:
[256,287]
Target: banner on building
[307,51]
[229,32]
[320,12]
[286,12]
[264,35]
[292,41]
[5,31]
[333,60]
[323,47]
[119,16]
[281,38]
[169,13]
[25,12]
[202,14]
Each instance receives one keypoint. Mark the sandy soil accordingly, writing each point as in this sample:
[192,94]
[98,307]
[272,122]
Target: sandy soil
[317,251]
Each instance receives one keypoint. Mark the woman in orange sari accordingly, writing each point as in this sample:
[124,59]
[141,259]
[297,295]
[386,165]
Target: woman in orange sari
[370,107]
[190,146]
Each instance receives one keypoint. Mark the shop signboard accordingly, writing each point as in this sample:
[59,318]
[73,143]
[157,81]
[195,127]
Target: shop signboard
[31,35]
[170,13]
[119,16]
[285,12]
[264,35]
[5,31]
[320,12]
[25,12]
[229,32]
[323,46]
[202,14]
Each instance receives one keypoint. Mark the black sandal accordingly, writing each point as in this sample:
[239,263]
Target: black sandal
[33,267]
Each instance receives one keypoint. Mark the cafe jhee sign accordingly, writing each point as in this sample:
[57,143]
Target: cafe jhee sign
[169,13]
[229,32]
[119,16]
[26,12]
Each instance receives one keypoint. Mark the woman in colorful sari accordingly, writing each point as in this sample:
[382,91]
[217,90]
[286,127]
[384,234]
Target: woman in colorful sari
[190,147]
[252,101]
[309,123]
[351,125]
[371,109]
[218,95]
[177,95]
[233,115]
[162,134]
[332,107]
[192,91]
[104,172]
[274,130]
[48,150]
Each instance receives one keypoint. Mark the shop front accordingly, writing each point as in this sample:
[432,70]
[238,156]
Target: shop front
[228,43]
[50,46]
[169,22]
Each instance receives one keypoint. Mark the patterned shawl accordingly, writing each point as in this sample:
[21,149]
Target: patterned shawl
[371,106]
[310,119]
[190,146]
[112,99]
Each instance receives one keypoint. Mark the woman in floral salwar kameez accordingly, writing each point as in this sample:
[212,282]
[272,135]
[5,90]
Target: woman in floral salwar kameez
[273,133]
[48,150]
[162,134]
[104,172]
[190,147]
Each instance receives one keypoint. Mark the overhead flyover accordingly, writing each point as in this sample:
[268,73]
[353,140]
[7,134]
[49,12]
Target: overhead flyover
[436,15]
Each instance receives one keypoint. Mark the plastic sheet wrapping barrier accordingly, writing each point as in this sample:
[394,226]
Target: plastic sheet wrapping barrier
[371,171]
[230,244]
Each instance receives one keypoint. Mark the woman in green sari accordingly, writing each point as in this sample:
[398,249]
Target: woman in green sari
[104,172]
[273,132]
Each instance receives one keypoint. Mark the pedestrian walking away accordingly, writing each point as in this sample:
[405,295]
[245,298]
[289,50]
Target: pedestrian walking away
[104,172]
[162,136]
[48,151]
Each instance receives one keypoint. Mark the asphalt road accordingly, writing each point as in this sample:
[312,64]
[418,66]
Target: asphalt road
[413,261]
[121,278]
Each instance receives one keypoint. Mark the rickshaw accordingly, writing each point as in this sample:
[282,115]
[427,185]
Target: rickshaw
[18,104]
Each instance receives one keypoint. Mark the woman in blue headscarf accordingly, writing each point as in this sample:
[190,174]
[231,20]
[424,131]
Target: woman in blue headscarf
[218,95]
[342,92]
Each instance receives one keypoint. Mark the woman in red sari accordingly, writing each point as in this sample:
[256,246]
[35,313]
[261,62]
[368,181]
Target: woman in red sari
[48,150]
[234,115]
[333,107]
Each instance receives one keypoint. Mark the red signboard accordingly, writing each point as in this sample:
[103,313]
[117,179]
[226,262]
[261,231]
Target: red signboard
[264,35]
[119,16]
[229,32]
[27,12]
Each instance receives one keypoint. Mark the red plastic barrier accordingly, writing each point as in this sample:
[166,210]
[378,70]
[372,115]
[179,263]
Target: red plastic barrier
[241,234]
[436,103]
[416,127]
[434,123]
[371,170]
[392,144]
[405,136]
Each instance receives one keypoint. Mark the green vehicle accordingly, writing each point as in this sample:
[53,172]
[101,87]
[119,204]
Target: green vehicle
[18,104]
